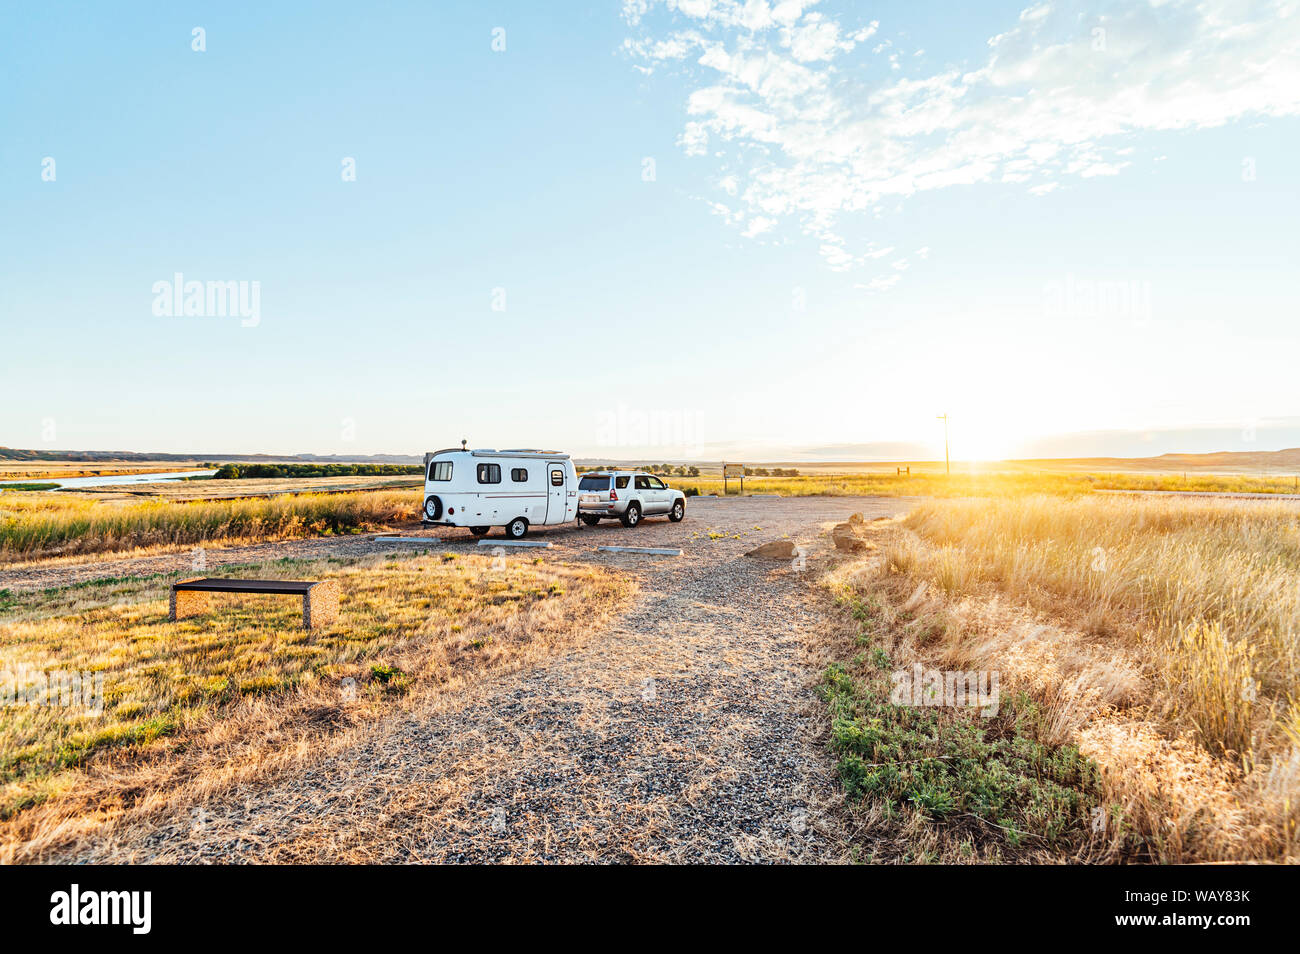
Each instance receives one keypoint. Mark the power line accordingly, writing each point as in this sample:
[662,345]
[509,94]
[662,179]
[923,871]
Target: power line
[947,465]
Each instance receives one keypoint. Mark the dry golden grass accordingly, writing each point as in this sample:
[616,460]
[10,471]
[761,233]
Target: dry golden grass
[1159,635]
[37,525]
[989,482]
[193,706]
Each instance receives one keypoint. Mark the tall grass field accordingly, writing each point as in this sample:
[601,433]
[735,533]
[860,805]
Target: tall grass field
[966,483]
[39,525]
[1161,636]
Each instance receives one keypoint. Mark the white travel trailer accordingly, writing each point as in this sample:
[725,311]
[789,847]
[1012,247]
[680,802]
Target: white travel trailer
[515,489]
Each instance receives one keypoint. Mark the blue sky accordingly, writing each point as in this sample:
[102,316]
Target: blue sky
[860,216]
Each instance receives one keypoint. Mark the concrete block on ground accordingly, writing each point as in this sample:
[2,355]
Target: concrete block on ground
[187,602]
[320,605]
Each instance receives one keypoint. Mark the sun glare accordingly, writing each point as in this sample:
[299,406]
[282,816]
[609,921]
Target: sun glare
[985,442]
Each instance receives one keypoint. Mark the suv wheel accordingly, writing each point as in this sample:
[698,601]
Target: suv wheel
[632,516]
[590,519]
[479,531]
[678,511]
[517,528]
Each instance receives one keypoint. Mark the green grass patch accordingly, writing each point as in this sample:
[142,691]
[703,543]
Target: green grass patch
[982,778]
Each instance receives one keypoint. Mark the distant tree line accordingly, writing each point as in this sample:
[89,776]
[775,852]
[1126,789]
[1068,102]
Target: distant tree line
[667,470]
[264,471]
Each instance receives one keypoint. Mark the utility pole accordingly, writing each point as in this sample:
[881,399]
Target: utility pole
[947,464]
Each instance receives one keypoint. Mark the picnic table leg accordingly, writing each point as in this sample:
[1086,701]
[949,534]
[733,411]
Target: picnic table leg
[186,603]
[320,605]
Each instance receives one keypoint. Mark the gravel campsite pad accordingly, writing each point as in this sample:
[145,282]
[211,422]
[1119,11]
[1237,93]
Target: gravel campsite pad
[682,733]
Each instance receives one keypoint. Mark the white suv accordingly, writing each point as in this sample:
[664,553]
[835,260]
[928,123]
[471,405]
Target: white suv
[628,495]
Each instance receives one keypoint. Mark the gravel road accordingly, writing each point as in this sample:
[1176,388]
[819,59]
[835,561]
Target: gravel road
[684,733]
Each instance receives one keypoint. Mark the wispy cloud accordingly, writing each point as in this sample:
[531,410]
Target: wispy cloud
[809,123]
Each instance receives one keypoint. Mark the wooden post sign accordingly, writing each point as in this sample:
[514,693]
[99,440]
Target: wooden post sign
[733,470]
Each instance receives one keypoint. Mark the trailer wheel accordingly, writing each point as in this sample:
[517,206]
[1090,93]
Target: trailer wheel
[479,531]
[433,508]
[517,528]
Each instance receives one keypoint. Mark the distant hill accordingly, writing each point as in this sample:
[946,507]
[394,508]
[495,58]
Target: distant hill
[1279,461]
[1287,460]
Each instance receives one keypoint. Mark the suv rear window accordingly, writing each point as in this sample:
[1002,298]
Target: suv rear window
[620,482]
[594,482]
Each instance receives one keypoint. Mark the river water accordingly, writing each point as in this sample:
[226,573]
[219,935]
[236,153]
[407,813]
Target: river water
[110,481]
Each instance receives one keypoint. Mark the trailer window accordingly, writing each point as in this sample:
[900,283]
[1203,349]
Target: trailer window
[594,482]
[440,470]
[557,478]
[518,475]
[489,473]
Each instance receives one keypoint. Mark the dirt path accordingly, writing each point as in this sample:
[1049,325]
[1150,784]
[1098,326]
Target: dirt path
[684,733]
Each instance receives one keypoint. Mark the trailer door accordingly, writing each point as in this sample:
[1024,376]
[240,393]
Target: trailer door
[557,488]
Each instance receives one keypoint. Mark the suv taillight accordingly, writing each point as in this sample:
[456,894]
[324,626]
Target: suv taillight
[613,496]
